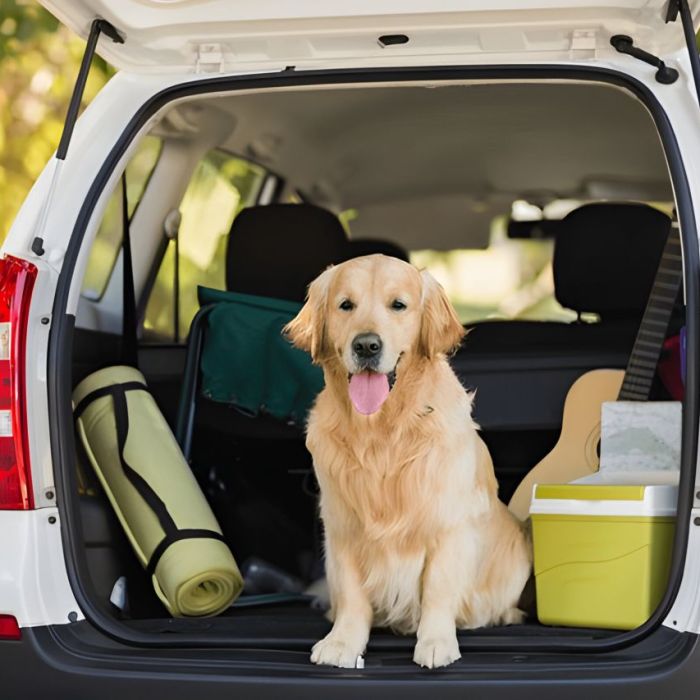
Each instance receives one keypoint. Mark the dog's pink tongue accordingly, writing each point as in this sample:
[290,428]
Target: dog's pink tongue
[368,391]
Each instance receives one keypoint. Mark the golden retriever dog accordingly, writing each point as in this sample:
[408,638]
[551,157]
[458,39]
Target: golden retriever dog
[415,536]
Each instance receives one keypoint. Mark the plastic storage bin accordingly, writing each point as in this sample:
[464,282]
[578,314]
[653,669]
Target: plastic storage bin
[602,549]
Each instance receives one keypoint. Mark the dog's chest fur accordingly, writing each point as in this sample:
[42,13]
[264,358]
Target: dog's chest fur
[384,500]
[387,486]
[392,500]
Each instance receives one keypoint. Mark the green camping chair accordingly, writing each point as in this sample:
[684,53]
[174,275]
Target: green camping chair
[237,356]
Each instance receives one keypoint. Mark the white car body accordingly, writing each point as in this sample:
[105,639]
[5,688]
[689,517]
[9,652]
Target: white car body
[168,45]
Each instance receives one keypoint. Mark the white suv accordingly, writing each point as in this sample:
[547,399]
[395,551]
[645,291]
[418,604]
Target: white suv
[419,122]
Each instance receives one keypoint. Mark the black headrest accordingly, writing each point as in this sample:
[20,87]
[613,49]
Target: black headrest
[279,249]
[357,247]
[606,257]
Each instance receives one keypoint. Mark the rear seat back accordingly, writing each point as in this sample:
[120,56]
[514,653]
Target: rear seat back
[606,257]
[357,247]
[605,260]
[277,250]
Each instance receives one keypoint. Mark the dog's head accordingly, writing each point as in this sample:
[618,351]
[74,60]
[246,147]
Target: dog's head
[369,315]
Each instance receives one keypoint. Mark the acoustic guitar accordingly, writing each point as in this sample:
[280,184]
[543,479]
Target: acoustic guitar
[576,453]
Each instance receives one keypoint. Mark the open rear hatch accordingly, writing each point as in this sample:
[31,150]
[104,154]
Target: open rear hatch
[185,36]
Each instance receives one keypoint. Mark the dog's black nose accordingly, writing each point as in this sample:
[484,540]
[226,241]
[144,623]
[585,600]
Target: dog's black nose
[367,345]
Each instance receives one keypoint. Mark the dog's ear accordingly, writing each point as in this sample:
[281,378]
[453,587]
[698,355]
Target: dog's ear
[306,330]
[441,330]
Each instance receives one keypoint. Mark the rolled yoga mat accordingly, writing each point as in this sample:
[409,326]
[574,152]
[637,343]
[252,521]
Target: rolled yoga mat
[154,493]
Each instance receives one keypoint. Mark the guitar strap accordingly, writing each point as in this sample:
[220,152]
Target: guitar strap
[644,358]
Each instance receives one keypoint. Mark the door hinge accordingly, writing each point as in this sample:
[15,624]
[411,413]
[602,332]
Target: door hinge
[210,59]
[625,44]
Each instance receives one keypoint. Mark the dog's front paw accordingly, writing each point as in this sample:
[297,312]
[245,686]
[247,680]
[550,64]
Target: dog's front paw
[331,651]
[433,653]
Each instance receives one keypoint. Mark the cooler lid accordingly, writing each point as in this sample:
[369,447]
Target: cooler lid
[621,494]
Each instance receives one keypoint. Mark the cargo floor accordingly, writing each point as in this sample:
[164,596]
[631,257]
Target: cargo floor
[296,626]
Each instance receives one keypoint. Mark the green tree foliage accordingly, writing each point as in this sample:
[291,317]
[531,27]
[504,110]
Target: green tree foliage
[39,61]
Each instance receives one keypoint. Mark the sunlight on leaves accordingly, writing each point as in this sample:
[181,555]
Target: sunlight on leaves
[39,61]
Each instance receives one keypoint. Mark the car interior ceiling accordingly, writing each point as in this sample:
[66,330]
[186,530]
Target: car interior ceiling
[348,150]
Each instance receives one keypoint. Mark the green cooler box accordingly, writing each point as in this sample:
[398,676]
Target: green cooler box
[602,548]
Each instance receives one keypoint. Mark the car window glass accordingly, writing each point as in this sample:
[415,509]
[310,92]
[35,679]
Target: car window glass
[220,187]
[108,240]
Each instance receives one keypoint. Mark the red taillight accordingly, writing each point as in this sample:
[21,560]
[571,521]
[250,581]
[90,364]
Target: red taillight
[9,629]
[16,283]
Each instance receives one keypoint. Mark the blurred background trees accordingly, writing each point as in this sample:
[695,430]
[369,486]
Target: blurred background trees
[39,61]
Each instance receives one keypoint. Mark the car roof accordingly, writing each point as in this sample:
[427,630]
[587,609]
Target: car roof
[442,157]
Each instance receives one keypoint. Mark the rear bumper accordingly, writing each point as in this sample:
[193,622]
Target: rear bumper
[75,661]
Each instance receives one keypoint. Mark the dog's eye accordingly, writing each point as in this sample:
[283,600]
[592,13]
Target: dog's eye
[398,305]
[346,305]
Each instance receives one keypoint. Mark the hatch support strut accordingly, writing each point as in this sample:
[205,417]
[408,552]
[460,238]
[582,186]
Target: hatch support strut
[98,26]
[681,6]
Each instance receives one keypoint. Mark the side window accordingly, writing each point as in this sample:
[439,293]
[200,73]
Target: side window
[220,187]
[108,240]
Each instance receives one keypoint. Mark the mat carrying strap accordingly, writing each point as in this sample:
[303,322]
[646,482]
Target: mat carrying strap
[121,417]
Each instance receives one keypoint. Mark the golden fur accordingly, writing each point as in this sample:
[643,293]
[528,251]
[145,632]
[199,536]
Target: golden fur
[416,538]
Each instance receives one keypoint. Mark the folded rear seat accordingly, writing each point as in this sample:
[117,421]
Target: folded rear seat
[605,259]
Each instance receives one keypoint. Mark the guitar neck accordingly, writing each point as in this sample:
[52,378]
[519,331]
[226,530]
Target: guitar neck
[641,367]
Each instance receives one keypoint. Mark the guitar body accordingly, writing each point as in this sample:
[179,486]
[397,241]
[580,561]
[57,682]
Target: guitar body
[576,453]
